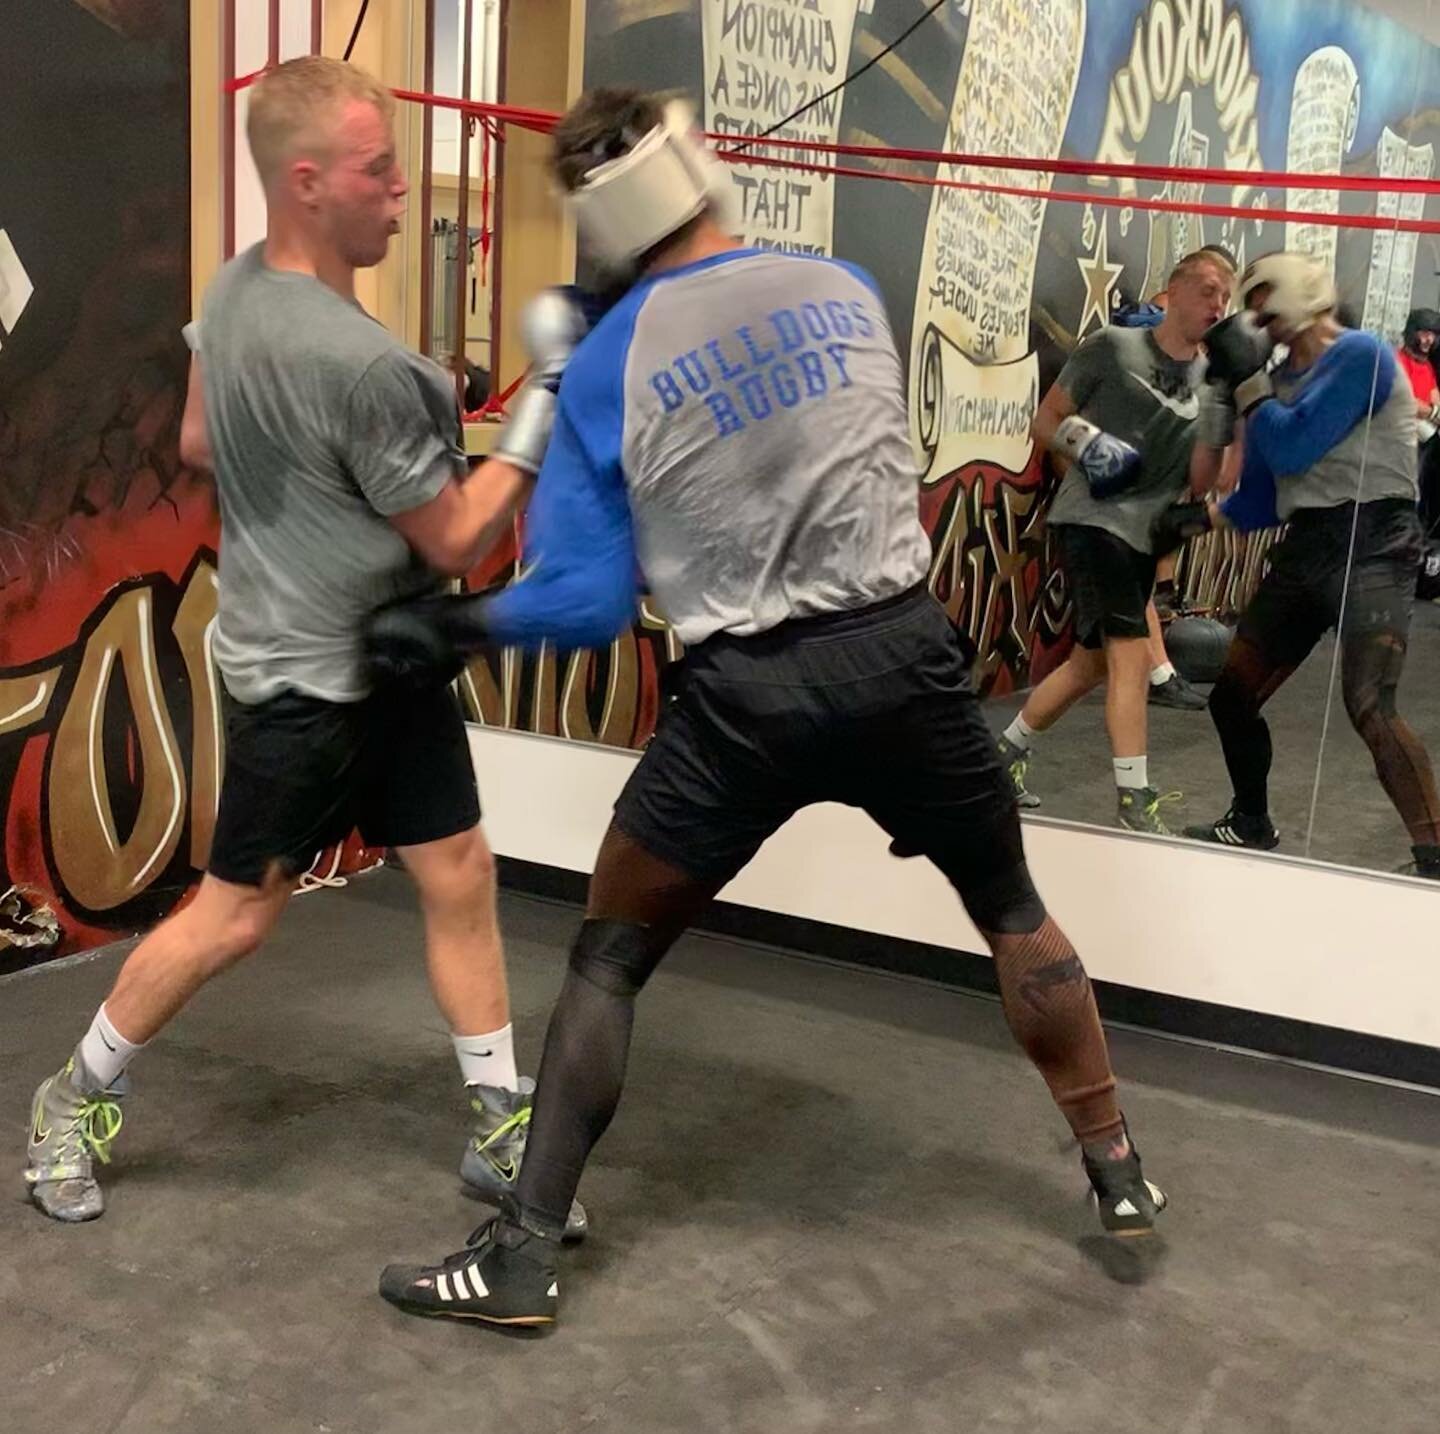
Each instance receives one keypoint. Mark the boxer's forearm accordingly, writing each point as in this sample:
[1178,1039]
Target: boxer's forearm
[1054,409]
[1206,464]
[492,493]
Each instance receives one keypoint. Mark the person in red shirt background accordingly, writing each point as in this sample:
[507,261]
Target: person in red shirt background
[1416,356]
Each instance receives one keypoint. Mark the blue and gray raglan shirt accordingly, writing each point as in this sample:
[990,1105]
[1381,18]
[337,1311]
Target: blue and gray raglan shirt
[732,436]
[1312,447]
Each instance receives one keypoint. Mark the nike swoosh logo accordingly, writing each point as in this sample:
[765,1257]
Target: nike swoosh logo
[507,1172]
[107,1045]
[39,1133]
[1180,407]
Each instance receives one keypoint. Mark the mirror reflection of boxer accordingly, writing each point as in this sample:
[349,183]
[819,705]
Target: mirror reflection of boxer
[735,426]
[1167,687]
[1335,416]
[1121,419]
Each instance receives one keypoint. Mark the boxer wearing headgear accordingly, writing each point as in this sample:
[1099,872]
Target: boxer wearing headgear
[341,484]
[1329,442]
[735,430]
[1120,422]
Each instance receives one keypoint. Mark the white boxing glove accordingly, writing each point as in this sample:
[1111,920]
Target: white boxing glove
[551,325]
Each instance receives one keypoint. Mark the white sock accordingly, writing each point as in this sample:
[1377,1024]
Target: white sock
[1159,676]
[1021,734]
[105,1051]
[489,1059]
[1132,772]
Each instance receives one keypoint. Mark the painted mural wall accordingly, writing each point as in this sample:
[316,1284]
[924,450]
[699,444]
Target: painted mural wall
[106,541]
[989,292]
[111,743]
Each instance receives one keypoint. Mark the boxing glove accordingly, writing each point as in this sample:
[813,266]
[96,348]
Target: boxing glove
[1238,350]
[423,642]
[1236,347]
[1108,464]
[551,325]
[1178,524]
[1251,506]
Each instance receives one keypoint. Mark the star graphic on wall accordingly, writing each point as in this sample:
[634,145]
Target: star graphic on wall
[15,287]
[1100,276]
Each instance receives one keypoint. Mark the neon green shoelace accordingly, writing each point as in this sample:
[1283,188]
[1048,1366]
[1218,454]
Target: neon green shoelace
[1164,799]
[519,1121]
[98,1123]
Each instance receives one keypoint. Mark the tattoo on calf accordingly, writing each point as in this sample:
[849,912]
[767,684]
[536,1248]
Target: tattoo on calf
[1037,984]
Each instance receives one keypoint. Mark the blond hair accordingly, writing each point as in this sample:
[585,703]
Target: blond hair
[1192,263]
[293,106]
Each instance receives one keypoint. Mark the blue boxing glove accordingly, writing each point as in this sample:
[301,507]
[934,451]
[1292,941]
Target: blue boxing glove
[1108,464]
[1251,507]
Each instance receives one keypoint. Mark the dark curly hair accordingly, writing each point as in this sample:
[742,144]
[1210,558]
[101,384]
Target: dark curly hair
[602,125]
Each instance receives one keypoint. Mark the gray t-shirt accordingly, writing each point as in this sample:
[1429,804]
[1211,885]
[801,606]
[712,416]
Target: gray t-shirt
[321,424]
[1123,382]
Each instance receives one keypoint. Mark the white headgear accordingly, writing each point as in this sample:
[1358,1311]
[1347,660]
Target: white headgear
[1301,289]
[628,205]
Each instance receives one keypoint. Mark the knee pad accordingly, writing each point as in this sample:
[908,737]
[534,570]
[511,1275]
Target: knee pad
[616,956]
[1005,903]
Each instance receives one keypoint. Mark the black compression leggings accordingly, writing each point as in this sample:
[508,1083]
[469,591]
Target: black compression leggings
[640,904]
[1370,668]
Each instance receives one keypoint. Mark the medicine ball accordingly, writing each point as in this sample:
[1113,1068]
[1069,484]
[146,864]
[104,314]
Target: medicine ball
[1197,646]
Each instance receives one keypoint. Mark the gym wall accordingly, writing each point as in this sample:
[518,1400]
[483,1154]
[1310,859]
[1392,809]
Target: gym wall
[111,743]
[106,541]
[1225,946]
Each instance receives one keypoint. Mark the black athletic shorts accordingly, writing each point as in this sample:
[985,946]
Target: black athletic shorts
[302,773]
[1110,584]
[871,708]
[1301,596]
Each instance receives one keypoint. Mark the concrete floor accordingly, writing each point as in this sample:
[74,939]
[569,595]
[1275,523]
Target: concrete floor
[832,1200]
[1354,822]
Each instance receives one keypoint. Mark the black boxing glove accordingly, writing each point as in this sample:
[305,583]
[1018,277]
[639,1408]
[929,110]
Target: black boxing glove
[1237,348]
[1236,382]
[1178,524]
[423,642]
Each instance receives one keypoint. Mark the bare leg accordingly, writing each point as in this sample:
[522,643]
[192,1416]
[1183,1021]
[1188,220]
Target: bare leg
[1156,643]
[222,924]
[1079,674]
[463,952]
[1127,662]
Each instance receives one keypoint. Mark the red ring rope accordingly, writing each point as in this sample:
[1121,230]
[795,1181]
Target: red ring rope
[1111,201]
[543,121]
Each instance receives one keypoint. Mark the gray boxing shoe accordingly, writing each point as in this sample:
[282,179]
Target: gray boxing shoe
[491,1163]
[72,1124]
[1016,761]
[1140,809]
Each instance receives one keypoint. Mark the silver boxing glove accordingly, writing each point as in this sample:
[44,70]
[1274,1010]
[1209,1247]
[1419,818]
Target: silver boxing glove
[550,327]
